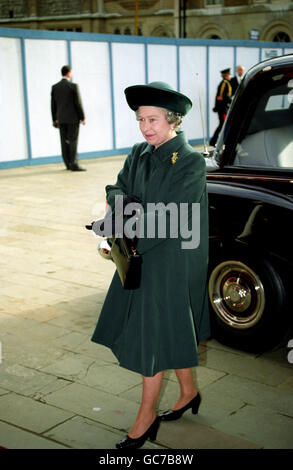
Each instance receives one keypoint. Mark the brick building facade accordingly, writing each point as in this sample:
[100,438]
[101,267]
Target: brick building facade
[266,20]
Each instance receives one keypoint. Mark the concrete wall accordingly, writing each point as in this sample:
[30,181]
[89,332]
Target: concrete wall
[103,66]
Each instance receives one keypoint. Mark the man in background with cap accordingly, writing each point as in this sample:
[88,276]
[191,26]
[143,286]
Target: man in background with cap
[222,103]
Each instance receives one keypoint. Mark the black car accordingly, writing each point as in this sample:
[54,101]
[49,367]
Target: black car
[250,185]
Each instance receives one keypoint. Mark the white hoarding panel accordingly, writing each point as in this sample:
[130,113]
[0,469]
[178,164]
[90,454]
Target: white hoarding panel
[162,64]
[91,71]
[128,69]
[44,60]
[193,83]
[13,142]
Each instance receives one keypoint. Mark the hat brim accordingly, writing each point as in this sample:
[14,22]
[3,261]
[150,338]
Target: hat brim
[145,95]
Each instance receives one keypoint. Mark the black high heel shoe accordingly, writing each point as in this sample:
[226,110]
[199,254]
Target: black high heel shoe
[172,415]
[151,433]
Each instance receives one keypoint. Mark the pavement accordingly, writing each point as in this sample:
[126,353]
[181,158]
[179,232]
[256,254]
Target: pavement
[58,390]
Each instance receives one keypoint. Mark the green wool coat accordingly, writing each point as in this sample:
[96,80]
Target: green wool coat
[159,325]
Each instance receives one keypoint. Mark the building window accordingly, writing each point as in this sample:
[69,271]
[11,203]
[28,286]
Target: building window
[211,31]
[281,37]
[127,30]
[209,3]
[161,30]
[57,8]
[117,31]
[76,30]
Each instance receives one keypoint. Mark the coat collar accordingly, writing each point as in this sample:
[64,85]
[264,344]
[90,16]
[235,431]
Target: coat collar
[166,150]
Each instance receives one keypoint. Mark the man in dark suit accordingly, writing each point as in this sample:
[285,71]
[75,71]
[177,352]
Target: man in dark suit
[67,113]
[222,102]
[235,81]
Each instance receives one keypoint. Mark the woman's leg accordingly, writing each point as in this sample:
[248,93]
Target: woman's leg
[188,388]
[147,412]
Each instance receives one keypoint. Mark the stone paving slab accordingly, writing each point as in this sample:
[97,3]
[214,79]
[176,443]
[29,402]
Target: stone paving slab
[251,422]
[30,414]
[106,377]
[23,380]
[13,323]
[253,393]
[30,353]
[12,437]
[186,434]
[82,433]
[94,404]
[78,342]
[260,370]
[71,366]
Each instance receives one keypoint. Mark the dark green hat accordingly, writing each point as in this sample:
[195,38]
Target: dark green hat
[157,94]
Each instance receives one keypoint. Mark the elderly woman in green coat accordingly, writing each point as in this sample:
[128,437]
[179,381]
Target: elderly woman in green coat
[159,325]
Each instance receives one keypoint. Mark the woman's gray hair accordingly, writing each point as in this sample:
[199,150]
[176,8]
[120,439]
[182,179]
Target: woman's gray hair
[171,116]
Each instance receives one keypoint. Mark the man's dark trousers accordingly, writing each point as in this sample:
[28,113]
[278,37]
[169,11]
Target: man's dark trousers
[222,117]
[67,112]
[69,138]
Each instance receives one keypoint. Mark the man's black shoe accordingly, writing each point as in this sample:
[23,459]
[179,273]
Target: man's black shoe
[77,168]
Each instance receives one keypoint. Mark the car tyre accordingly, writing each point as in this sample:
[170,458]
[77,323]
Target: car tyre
[247,302]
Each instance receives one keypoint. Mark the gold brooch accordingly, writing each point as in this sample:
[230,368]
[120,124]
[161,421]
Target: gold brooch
[174,157]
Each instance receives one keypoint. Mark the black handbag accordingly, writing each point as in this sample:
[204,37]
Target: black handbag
[128,262]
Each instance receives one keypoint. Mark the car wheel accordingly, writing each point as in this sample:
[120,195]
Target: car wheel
[247,302]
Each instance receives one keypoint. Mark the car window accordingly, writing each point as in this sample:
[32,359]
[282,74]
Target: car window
[268,136]
[277,102]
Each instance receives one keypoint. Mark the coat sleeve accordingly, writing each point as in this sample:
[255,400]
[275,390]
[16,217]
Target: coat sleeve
[53,106]
[78,103]
[186,185]
[123,183]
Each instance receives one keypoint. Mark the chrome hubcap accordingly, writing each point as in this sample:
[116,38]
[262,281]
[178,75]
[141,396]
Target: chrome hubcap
[236,294]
